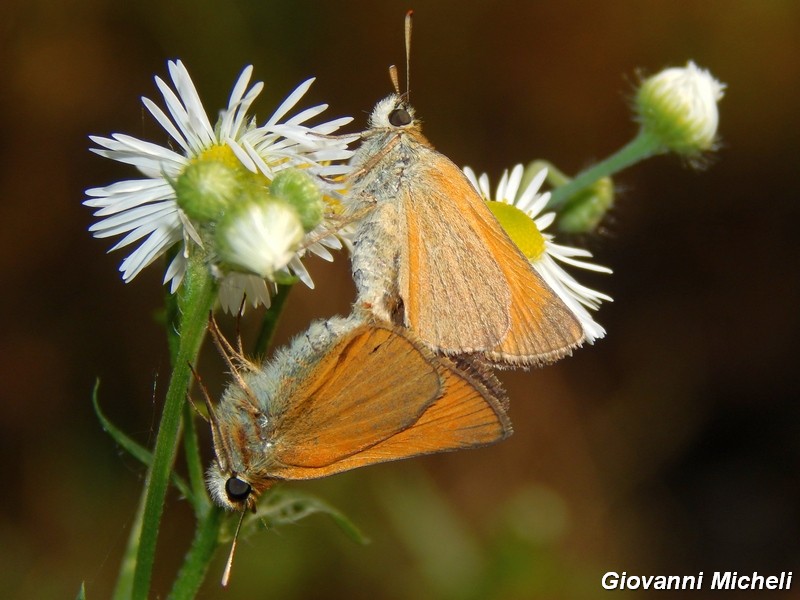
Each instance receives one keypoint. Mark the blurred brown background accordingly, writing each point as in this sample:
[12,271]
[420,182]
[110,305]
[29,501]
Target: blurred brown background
[669,447]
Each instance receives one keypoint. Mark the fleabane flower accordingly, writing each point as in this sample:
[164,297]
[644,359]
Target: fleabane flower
[520,214]
[188,190]
[679,107]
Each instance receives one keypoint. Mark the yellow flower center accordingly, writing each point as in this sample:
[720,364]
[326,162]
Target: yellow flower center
[520,228]
[219,153]
[223,154]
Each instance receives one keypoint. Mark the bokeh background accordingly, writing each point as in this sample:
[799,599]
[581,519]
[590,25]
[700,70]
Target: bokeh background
[670,447]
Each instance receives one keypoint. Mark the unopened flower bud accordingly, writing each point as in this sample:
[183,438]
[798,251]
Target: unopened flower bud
[679,107]
[259,236]
[584,212]
[205,189]
[299,189]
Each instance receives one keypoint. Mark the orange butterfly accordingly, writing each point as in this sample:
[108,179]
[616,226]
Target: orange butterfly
[348,393]
[429,255]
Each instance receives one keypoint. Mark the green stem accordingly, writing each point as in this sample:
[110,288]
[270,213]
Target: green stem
[194,463]
[124,586]
[644,145]
[199,556]
[191,447]
[198,293]
[270,322]
[195,565]
[554,177]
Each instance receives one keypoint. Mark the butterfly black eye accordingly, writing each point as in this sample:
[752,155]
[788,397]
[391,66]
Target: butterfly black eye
[237,490]
[399,117]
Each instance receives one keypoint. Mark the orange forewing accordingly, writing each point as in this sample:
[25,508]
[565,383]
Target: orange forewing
[371,385]
[444,304]
[464,413]
[514,315]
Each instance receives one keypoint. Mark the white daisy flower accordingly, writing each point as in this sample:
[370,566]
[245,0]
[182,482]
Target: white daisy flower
[508,204]
[148,211]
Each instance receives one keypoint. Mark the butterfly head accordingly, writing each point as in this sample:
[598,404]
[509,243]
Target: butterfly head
[393,112]
[231,490]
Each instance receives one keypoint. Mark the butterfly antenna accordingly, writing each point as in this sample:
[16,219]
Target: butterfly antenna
[226,575]
[221,447]
[239,316]
[393,77]
[409,15]
[212,417]
[228,354]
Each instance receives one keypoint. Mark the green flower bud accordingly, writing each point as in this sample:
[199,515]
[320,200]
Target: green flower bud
[205,189]
[584,211]
[298,188]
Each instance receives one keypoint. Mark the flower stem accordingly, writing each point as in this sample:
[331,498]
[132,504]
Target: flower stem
[210,520]
[270,321]
[194,463]
[199,556]
[643,146]
[198,293]
[124,585]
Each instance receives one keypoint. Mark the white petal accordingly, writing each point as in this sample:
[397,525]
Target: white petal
[133,217]
[307,114]
[165,122]
[198,119]
[545,221]
[299,269]
[151,249]
[242,155]
[501,188]
[121,202]
[513,185]
[320,251]
[530,194]
[175,271]
[472,179]
[240,86]
[290,101]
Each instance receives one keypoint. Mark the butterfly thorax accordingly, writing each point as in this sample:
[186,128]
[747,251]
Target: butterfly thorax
[383,169]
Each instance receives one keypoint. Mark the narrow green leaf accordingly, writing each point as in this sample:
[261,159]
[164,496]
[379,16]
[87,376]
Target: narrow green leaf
[283,507]
[124,586]
[81,592]
[136,450]
[196,298]
[445,545]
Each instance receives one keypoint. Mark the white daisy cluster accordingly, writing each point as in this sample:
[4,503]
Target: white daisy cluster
[186,194]
[520,214]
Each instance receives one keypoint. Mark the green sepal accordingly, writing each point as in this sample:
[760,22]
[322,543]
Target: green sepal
[584,212]
[137,451]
